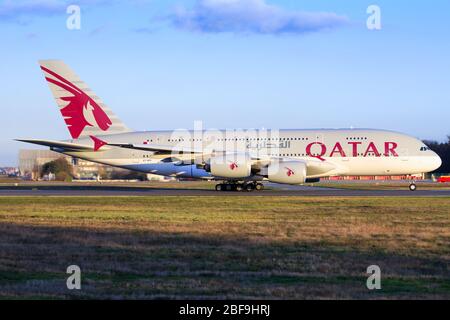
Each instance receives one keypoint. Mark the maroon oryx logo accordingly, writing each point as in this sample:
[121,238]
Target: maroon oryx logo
[98,143]
[78,103]
[233,165]
[289,172]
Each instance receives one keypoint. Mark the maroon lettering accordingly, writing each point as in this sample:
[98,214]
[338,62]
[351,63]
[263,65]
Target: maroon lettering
[372,148]
[338,149]
[322,151]
[355,148]
[389,149]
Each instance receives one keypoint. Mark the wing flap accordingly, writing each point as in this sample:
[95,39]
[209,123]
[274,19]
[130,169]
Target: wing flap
[161,149]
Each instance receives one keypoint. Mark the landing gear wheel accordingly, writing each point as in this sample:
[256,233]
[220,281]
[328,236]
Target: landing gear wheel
[412,187]
[259,186]
[219,187]
[250,187]
[239,187]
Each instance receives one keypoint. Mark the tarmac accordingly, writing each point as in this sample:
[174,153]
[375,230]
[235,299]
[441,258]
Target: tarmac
[273,190]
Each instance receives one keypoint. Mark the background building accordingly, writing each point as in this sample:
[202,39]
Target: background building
[419,176]
[31,162]
[9,171]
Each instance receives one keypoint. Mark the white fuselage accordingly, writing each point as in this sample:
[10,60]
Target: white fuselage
[344,151]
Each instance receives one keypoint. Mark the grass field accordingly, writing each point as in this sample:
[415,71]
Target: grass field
[224,247]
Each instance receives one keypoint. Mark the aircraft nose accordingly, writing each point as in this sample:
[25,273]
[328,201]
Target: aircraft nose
[435,161]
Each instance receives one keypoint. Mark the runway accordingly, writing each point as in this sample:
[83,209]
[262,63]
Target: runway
[273,190]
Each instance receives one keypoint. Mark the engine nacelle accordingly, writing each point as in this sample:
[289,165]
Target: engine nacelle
[230,166]
[289,172]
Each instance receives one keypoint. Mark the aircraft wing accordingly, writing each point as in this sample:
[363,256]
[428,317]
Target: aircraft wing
[157,148]
[68,146]
[315,166]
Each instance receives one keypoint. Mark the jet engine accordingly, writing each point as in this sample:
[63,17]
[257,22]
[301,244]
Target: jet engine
[231,166]
[289,172]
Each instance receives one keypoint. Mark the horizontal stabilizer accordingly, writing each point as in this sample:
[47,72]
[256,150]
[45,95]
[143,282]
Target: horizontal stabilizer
[67,146]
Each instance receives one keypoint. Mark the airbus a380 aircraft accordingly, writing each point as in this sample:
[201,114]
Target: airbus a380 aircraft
[241,159]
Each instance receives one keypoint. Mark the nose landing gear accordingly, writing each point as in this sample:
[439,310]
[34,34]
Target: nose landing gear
[412,186]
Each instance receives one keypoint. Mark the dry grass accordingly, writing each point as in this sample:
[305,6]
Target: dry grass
[224,247]
[8,180]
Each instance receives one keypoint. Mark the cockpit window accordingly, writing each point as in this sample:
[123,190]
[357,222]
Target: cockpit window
[425,148]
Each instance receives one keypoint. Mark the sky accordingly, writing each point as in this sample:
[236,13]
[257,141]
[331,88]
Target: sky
[161,64]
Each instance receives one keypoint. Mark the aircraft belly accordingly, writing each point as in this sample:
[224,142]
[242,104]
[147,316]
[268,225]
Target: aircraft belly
[169,169]
[383,166]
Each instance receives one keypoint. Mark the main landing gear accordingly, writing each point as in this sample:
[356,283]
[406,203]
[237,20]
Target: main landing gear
[233,186]
[412,186]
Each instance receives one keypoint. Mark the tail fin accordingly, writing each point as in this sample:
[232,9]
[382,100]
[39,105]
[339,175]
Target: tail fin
[84,113]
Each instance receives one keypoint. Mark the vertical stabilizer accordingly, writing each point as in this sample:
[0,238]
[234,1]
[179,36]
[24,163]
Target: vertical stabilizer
[84,112]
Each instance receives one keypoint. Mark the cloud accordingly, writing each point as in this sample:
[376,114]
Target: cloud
[251,16]
[11,10]
[144,30]
[32,35]
[98,30]
[16,11]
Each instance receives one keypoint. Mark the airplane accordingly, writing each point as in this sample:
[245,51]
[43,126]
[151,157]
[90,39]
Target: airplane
[240,160]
